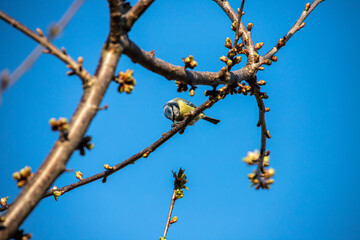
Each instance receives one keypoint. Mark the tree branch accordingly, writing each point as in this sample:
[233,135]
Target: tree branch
[297,26]
[55,162]
[246,36]
[238,23]
[77,68]
[174,72]
[136,11]
[180,126]
[55,30]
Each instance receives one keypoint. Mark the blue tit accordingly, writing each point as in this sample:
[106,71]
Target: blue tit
[177,110]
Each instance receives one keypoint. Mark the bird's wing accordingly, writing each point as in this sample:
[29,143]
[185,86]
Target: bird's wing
[187,102]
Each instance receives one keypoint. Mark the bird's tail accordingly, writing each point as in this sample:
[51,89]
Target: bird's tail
[212,120]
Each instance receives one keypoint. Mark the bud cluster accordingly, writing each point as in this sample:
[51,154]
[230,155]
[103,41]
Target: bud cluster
[22,176]
[126,81]
[264,180]
[190,62]
[179,183]
[231,59]
[60,125]
[19,234]
[182,87]
[85,143]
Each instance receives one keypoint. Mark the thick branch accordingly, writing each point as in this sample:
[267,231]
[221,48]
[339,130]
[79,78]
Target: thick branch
[136,11]
[55,162]
[78,70]
[181,125]
[174,72]
[297,26]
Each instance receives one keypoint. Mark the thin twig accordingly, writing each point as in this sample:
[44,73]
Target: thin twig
[173,198]
[83,74]
[237,32]
[264,137]
[180,126]
[297,26]
[55,31]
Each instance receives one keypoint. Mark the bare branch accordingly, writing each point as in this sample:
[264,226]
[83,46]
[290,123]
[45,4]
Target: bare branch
[136,11]
[172,203]
[179,185]
[166,136]
[55,31]
[173,72]
[297,26]
[83,74]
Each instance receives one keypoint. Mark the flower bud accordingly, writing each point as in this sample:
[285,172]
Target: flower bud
[224,59]
[173,220]
[261,83]
[108,167]
[267,62]
[79,175]
[3,201]
[249,26]
[228,43]
[229,62]
[25,172]
[16,176]
[307,6]
[258,45]
[237,60]
[21,183]
[40,32]
[192,92]
[80,60]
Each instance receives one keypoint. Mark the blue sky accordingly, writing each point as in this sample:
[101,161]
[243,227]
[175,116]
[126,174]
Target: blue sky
[313,96]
